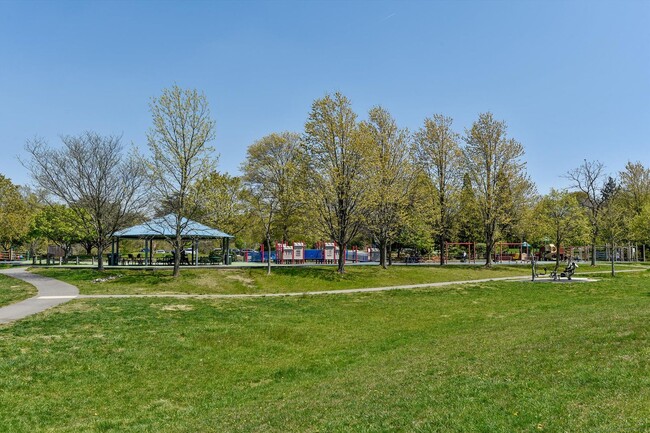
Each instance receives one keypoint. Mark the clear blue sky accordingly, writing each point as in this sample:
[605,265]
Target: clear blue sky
[571,78]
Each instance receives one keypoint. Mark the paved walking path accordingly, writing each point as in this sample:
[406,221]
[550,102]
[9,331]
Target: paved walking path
[51,293]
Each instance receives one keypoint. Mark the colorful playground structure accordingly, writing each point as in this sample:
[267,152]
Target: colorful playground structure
[297,253]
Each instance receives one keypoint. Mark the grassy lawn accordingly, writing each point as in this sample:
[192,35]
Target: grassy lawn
[13,290]
[282,280]
[490,357]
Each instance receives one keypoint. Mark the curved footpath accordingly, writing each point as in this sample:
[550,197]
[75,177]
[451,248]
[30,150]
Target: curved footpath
[52,292]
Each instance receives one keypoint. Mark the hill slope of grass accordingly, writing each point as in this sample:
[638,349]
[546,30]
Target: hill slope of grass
[255,280]
[497,357]
[13,290]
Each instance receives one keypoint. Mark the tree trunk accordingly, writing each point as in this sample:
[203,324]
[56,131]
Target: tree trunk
[382,253]
[489,245]
[100,258]
[177,257]
[593,252]
[341,268]
[390,254]
[612,258]
[268,262]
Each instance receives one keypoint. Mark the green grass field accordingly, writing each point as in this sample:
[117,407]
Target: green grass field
[491,357]
[12,290]
[282,280]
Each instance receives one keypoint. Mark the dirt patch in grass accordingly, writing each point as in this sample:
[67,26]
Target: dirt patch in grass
[175,307]
[249,282]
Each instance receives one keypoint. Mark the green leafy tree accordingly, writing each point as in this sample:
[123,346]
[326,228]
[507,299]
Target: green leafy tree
[180,156]
[439,155]
[639,227]
[494,164]
[468,221]
[60,225]
[14,214]
[337,152]
[387,198]
[613,218]
[273,173]
[223,202]
[561,218]
[635,195]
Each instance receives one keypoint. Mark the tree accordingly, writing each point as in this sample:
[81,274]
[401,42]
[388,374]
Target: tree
[469,227]
[93,177]
[389,161]
[13,214]
[272,172]
[61,225]
[337,151]
[438,153]
[639,227]
[562,218]
[180,156]
[493,163]
[222,202]
[588,179]
[612,217]
[635,196]
[635,186]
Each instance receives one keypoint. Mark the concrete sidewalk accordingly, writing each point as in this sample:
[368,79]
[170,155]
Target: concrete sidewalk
[51,293]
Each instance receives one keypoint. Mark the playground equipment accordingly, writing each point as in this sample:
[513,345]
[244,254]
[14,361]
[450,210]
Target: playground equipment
[373,254]
[506,255]
[299,252]
[330,252]
[470,254]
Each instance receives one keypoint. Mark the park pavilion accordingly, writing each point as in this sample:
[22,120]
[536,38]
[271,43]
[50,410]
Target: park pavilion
[163,228]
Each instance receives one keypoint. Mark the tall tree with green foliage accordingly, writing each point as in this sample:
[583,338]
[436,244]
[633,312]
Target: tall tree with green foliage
[14,214]
[180,155]
[613,218]
[389,161]
[494,164]
[635,196]
[561,218]
[469,227]
[635,186]
[61,225]
[438,154]
[222,202]
[337,153]
[93,176]
[273,172]
[589,179]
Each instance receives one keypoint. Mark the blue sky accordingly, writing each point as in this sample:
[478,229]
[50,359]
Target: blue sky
[571,78]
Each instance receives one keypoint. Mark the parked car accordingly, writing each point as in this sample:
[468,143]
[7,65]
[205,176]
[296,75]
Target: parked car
[161,251]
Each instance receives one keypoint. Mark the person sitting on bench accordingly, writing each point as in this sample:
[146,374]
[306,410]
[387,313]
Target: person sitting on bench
[184,259]
[569,270]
